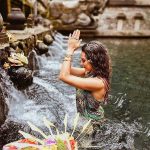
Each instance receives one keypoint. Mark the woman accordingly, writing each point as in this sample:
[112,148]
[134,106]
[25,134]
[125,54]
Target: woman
[91,81]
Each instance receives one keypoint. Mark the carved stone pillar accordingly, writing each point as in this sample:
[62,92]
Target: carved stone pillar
[3,36]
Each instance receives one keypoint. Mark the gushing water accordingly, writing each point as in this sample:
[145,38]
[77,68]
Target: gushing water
[48,97]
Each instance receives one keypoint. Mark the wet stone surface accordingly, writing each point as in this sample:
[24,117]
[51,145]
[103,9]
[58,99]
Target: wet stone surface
[21,76]
[126,127]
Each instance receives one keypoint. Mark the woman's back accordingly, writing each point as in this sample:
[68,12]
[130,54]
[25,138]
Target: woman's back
[87,105]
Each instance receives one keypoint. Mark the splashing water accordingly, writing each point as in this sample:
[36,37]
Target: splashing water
[48,97]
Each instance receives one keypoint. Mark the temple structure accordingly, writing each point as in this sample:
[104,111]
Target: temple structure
[102,18]
[125,18]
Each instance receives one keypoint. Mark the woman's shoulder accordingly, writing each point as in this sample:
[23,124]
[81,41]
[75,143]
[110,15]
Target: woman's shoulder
[98,79]
[104,81]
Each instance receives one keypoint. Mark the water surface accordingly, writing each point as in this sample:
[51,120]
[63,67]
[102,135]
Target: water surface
[128,121]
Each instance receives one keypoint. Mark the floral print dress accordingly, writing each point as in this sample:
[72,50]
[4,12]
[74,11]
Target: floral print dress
[88,106]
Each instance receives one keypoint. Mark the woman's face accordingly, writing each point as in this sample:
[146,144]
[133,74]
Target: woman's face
[85,63]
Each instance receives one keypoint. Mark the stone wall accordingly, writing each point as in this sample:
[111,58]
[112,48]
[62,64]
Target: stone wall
[110,17]
[129,2]
[113,18]
[124,21]
[70,15]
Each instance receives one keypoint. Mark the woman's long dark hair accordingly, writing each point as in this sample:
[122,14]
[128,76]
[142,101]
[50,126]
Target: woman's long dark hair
[98,56]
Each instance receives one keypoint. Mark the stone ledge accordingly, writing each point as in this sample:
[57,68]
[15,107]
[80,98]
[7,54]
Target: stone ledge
[141,3]
[125,33]
[24,34]
[27,36]
[113,34]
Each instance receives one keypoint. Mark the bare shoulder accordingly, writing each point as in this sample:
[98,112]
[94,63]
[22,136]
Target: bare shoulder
[99,93]
[98,81]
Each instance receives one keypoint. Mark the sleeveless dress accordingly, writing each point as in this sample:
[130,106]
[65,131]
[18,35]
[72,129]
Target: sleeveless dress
[87,105]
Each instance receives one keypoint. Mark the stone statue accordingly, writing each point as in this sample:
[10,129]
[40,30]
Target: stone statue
[78,14]
[3,36]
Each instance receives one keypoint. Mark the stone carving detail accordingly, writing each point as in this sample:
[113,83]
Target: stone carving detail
[3,36]
[16,19]
[30,21]
[138,18]
[120,21]
[1,23]
[78,14]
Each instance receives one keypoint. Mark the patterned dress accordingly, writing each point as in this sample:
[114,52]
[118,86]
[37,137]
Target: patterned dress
[88,106]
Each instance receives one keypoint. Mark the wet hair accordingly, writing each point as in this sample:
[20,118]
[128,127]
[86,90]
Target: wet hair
[98,57]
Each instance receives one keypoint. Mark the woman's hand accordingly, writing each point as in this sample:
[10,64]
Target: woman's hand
[73,41]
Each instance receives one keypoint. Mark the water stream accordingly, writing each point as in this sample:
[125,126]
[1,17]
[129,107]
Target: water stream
[127,125]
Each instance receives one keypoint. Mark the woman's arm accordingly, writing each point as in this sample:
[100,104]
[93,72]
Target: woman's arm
[66,67]
[80,72]
[73,43]
[91,84]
